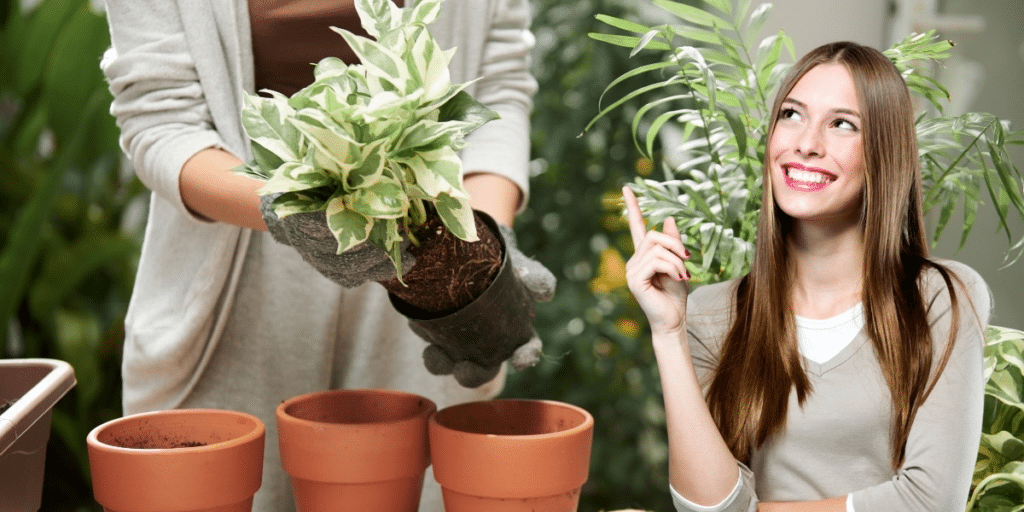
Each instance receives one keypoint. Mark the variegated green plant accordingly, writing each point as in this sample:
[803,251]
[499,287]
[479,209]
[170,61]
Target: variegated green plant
[372,145]
[999,474]
[714,88]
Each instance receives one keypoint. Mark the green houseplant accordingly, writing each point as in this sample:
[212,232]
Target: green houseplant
[712,96]
[999,474]
[372,145]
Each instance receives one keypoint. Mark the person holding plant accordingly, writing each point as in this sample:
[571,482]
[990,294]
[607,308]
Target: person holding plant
[844,371]
[225,314]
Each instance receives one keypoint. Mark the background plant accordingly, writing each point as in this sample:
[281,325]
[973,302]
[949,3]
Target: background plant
[68,234]
[600,358]
[998,484]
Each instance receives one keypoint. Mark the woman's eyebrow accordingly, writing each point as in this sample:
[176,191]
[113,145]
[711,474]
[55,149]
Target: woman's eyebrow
[835,110]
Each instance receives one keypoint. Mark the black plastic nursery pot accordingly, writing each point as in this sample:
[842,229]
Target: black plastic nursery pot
[29,388]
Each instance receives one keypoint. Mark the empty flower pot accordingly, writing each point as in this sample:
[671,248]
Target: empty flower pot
[511,455]
[29,388]
[177,461]
[355,449]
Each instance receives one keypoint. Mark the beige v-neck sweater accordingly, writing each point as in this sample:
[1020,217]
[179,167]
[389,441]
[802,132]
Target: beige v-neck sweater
[838,442]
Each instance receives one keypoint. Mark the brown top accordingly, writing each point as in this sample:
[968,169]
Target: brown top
[290,36]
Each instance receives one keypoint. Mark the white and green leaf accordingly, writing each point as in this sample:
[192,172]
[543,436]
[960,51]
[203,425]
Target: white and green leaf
[265,121]
[295,177]
[384,199]
[457,215]
[349,227]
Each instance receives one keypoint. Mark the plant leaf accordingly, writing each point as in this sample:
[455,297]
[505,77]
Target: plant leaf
[349,227]
[457,216]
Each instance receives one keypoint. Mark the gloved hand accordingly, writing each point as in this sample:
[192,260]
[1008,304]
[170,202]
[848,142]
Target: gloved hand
[473,342]
[309,235]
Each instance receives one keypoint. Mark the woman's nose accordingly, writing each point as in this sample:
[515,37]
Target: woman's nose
[811,141]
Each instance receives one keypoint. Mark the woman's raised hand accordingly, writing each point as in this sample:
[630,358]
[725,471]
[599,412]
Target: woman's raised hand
[655,273]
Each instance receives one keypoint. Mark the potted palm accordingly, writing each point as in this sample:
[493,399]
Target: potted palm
[711,118]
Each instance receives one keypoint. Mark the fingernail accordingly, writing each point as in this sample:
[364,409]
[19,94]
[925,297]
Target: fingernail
[686,252]
[687,273]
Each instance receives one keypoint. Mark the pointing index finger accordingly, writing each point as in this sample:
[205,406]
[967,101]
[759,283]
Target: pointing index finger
[637,228]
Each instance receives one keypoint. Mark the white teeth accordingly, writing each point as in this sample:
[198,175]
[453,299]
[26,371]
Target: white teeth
[806,176]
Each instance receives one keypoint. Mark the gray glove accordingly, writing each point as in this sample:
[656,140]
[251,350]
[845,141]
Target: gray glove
[473,342]
[309,235]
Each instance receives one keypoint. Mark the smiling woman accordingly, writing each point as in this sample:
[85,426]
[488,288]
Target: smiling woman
[840,231]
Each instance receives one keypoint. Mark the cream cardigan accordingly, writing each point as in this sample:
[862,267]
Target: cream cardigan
[177,69]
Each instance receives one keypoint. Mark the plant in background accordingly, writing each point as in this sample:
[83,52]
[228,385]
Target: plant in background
[599,358]
[999,474]
[69,219]
[715,100]
[371,144]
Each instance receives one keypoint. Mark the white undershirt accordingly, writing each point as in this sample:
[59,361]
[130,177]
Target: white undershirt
[819,341]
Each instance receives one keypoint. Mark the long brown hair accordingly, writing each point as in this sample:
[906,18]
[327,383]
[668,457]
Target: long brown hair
[760,363]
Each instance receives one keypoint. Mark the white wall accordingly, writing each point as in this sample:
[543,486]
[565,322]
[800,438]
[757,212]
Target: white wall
[812,23]
[998,53]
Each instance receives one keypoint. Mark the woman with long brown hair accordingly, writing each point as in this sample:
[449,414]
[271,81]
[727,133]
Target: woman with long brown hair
[845,371]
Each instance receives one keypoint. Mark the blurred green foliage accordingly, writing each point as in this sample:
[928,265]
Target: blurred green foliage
[67,261]
[598,353]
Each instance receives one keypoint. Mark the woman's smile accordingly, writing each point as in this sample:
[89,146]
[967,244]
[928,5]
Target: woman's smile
[806,179]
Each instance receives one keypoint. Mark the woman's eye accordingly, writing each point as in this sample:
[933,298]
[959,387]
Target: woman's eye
[788,113]
[844,124]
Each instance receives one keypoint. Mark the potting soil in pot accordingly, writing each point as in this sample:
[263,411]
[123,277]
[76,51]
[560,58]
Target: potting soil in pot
[435,284]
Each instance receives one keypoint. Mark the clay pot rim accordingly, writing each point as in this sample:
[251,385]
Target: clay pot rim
[588,420]
[429,409]
[257,432]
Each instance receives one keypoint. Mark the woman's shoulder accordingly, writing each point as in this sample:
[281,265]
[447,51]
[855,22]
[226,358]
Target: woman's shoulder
[712,302]
[965,280]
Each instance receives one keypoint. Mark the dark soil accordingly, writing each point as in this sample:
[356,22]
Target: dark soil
[435,284]
[152,442]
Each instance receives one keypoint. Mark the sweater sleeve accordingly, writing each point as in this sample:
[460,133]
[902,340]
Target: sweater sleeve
[158,101]
[709,308]
[943,443]
[506,85]
[741,499]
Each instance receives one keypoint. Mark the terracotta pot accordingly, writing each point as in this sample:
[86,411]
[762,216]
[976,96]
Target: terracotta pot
[177,460]
[355,449]
[511,455]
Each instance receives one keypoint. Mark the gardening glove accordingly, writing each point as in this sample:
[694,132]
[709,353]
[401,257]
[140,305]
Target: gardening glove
[309,235]
[472,343]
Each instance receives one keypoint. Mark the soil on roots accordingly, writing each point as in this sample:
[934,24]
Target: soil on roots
[449,272]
